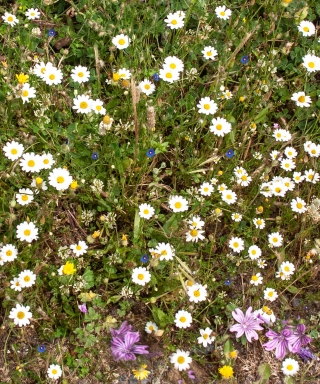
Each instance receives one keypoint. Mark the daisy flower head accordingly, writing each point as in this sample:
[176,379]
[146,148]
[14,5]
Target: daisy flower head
[287,268]
[80,74]
[205,338]
[239,171]
[274,155]
[301,99]
[278,188]
[244,180]
[256,279]
[124,74]
[226,94]
[40,69]
[15,284]
[236,244]
[237,217]
[80,248]
[206,189]
[209,53]
[281,135]
[275,239]
[270,294]
[298,205]
[151,327]
[27,278]
[10,19]
[30,162]
[13,150]
[254,252]
[311,63]
[311,176]
[174,63]
[82,104]
[181,360]
[169,75]
[165,251]
[60,179]
[290,152]
[27,232]
[183,319]
[54,371]
[287,164]
[196,223]
[25,196]
[222,187]
[197,293]
[297,177]
[290,367]
[178,204]
[146,211]
[146,87]
[121,41]
[223,12]
[141,276]
[8,253]
[194,235]
[259,223]
[207,106]
[266,314]
[313,150]
[21,315]
[229,196]
[97,107]
[174,20]
[32,14]
[220,126]
[27,93]
[307,28]
[52,76]
[261,263]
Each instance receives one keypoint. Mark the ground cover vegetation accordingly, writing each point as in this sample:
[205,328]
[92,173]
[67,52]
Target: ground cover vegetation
[159,181]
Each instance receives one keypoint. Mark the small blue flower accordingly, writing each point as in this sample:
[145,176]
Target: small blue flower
[52,32]
[95,156]
[156,77]
[227,282]
[245,59]
[42,348]
[144,258]
[230,153]
[150,152]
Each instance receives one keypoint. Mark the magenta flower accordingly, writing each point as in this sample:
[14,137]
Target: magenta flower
[83,308]
[279,342]
[126,348]
[122,330]
[248,324]
[299,339]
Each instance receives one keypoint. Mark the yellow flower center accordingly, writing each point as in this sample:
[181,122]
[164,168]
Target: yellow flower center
[206,106]
[275,240]
[289,367]
[9,253]
[141,276]
[183,319]
[259,221]
[27,232]
[254,278]
[31,163]
[287,269]
[181,360]
[83,105]
[173,66]
[302,99]
[209,53]
[253,252]
[52,76]
[196,293]
[306,29]
[206,189]
[229,197]
[164,253]
[106,119]
[25,93]
[80,74]
[60,179]
[168,75]
[278,189]
[311,64]
[219,127]
[222,13]
[310,177]
[151,328]
[20,315]
[174,22]
[54,371]
[236,245]
[78,248]
[205,336]
[121,41]
[244,177]
[177,205]
[24,197]
[147,86]
[146,211]
[10,18]
[39,180]
[14,151]
[270,294]
[26,278]
[299,205]
[98,107]
[43,70]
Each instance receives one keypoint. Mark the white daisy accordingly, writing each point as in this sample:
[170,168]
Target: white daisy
[165,251]
[254,252]
[181,360]
[141,276]
[207,106]
[297,177]
[174,20]
[287,164]
[97,107]
[146,211]
[209,53]
[10,19]
[311,63]
[124,74]
[298,205]
[178,204]
[27,231]
[194,235]
[222,187]
[27,278]
[196,223]
[270,294]
[205,338]
[313,150]
[287,268]
[197,292]
[206,189]
[121,41]
[226,94]
[60,179]
[173,63]
[282,135]
[32,13]
[30,162]
[27,92]
[47,161]
[168,75]
[307,28]
[244,180]
[41,68]
[80,74]
[183,319]
[222,12]
[290,152]
[259,223]
[236,244]
[275,239]
[290,367]
[278,188]
[301,99]
[237,217]
[15,284]
[52,76]
[311,176]
[266,314]
[54,371]
[220,126]
[80,248]
[13,150]
[82,104]
[151,327]
[274,155]
[8,253]
[256,279]
[20,315]
[239,171]
[229,196]
[261,263]
[25,196]
[147,87]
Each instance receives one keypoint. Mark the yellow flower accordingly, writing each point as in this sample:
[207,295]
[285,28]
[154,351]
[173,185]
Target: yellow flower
[116,77]
[220,173]
[141,373]
[39,181]
[233,354]
[96,234]
[74,185]
[106,120]
[242,98]
[68,268]
[22,78]
[226,371]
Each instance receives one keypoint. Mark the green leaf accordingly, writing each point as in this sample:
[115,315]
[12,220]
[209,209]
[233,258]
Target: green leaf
[228,347]
[91,315]
[160,317]
[292,289]
[88,277]
[136,225]
[265,372]
[231,307]
[261,115]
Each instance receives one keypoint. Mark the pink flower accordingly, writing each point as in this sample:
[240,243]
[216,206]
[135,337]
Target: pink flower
[248,324]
